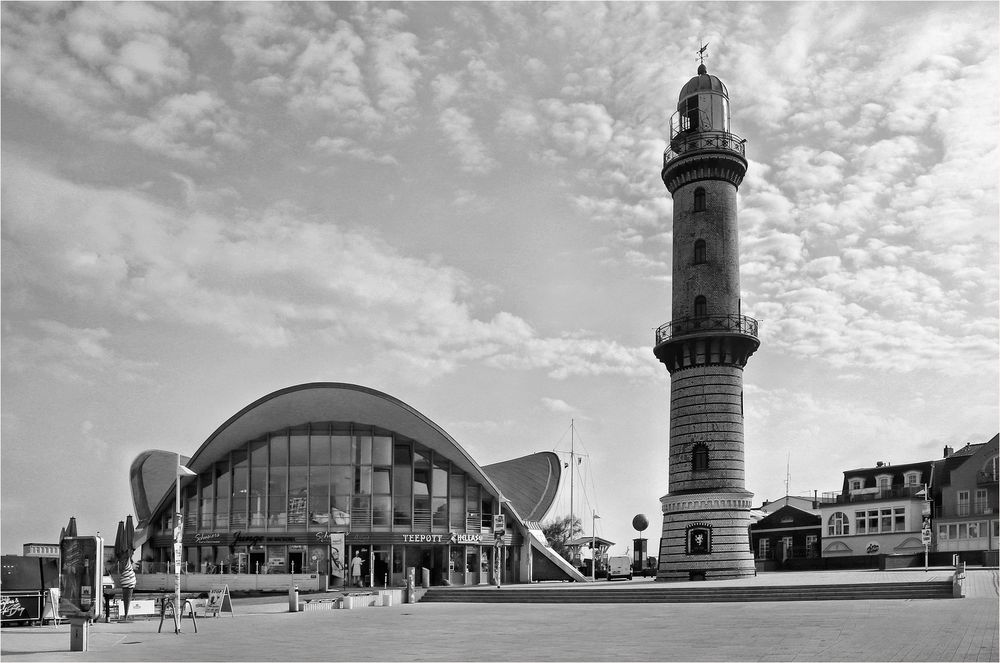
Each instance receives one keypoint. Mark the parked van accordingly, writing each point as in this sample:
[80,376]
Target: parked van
[619,567]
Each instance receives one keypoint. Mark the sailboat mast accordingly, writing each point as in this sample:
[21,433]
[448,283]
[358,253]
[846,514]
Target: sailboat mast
[572,471]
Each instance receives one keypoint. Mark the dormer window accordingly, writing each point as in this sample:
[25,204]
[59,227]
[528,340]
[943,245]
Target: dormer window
[884,482]
[855,484]
[699,199]
[912,478]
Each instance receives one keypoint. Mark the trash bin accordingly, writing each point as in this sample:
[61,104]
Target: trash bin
[293,598]
[425,577]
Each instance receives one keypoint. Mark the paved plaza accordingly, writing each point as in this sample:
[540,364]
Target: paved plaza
[263,630]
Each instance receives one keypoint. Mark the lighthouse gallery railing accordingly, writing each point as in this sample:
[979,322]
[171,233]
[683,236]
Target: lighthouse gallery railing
[740,324]
[690,141]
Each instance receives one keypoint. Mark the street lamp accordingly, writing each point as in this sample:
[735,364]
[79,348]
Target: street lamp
[593,546]
[178,535]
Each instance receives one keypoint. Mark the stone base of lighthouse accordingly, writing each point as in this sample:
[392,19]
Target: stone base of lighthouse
[705,537]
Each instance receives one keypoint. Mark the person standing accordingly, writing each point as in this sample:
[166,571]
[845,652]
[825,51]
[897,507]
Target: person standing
[356,570]
[127,582]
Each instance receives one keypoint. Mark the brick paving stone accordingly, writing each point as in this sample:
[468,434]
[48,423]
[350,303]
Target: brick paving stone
[867,630]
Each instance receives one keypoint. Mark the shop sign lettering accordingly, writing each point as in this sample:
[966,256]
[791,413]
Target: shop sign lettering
[451,537]
[328,536]
[208,537]
[423,538]
[466,538]
[12,608]
[872,548]
[240,539]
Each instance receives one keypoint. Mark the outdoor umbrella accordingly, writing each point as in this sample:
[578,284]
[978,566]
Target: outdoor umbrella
[122,551]
[129,535]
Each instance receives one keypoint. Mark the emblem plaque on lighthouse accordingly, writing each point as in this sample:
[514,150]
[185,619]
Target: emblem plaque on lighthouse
[706,344]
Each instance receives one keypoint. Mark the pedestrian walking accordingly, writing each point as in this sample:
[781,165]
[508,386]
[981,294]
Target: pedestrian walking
[356,570]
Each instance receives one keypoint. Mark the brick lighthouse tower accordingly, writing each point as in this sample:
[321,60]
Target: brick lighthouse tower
[706,344]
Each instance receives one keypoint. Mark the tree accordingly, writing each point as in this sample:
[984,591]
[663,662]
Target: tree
[560,532]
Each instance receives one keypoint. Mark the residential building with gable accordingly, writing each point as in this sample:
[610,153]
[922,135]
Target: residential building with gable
[879,511]
[966,495]
[788,537]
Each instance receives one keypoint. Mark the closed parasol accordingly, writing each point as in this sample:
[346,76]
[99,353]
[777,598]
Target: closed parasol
[129,535]
[122,552]
[71,528]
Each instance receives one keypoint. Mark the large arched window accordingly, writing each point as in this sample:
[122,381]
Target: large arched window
[699,200]
[839,524]
[700,252]
[989,471]
[700,306]
[699,457]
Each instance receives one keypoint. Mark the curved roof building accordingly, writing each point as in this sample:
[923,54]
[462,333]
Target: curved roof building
[306,477]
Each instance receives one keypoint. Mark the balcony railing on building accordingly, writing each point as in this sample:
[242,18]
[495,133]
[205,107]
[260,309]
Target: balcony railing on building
[986,477]
[872,494]
[732,323]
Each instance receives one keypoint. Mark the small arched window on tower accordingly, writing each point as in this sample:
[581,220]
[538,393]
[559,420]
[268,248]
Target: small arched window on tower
[700,306]
[700,252]
[699,458]
[699,199]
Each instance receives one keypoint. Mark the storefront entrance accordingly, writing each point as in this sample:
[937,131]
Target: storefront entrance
[296,562]
[258,561]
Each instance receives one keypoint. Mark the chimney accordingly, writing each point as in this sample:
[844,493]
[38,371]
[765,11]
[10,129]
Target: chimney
[948,451]
[879,464]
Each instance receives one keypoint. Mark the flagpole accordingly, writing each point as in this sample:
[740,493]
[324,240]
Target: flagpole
[177,548]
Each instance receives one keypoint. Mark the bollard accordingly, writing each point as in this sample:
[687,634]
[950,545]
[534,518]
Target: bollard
[425,577]
[79,634]
[293,598]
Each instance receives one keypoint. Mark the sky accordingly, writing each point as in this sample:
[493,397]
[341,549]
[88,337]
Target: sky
[460,205]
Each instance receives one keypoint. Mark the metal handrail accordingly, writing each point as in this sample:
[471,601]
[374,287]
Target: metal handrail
[881,494]
[690,141]
[740,324]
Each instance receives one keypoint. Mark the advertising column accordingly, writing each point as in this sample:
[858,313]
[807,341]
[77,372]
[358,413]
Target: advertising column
[79,585]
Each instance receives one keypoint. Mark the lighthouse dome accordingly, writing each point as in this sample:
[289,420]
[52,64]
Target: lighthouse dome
[703,82]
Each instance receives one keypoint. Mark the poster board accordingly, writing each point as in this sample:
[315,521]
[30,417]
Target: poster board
[337,566]
[218,601]
[80,579]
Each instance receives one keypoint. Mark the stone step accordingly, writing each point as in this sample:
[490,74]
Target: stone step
[676,594]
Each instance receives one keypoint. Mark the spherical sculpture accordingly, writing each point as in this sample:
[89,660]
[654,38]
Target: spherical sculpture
[640,522]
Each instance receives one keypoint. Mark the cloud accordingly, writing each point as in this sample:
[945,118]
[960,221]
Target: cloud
[269,280]
[466,144]
[348,147]
[118,73]
[69,354]
[558,406]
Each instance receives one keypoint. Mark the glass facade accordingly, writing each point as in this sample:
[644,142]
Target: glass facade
[353,479]
[270,506]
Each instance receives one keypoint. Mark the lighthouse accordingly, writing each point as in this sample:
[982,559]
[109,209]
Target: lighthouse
[706,344]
